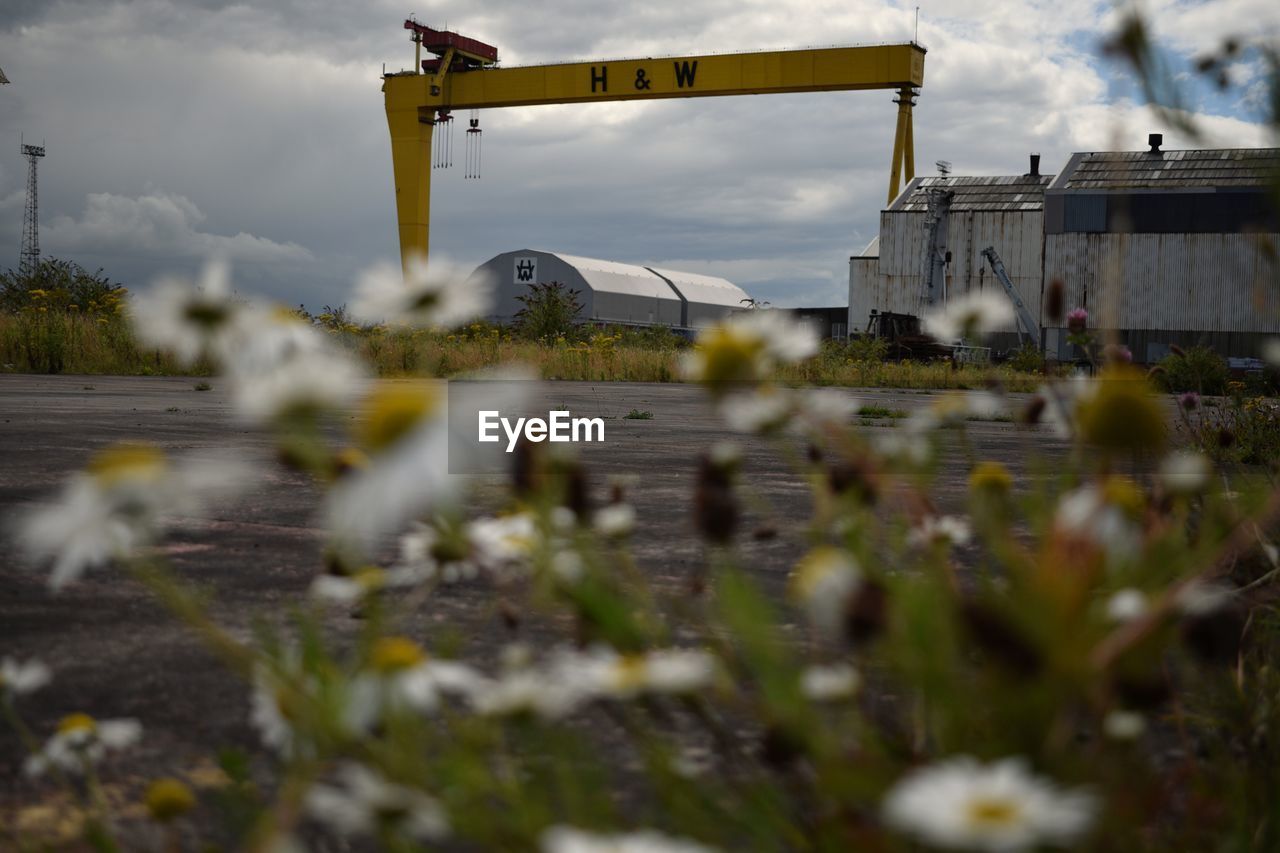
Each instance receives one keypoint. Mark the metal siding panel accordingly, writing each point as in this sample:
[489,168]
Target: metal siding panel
[1195,283]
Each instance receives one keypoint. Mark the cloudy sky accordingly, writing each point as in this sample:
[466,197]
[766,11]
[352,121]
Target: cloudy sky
[180,130]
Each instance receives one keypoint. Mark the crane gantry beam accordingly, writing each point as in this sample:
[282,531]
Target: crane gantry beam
[463,77]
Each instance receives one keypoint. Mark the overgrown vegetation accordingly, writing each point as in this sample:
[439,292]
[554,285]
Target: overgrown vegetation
[61,343]
[1197,369]
[550,312]
[1242,430]
[1023,674]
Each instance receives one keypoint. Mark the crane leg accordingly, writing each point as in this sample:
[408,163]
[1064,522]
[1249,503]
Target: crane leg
[411,132]
[909,148]
[901,135]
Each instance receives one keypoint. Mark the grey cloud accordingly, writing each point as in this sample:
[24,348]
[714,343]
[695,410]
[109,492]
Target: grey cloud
[158,224]
[263,125]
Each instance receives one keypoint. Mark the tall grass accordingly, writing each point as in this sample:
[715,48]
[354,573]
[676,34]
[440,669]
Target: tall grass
[53,342]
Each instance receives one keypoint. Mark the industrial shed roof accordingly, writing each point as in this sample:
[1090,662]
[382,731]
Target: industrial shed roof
[1212,167]
[705,289]
[613,277]
[871,251]
[989,192]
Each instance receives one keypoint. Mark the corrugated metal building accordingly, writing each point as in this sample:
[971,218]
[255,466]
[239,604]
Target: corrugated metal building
[1160,246]
[1006,212]
[611,292]
[1168,247]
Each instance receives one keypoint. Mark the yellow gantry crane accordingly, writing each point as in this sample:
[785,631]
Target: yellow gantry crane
[462,75]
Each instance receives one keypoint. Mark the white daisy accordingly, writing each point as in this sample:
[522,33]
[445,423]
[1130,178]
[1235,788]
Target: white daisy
[418,297]
[962,804]
[1185,472]
[79,741]
[1126,604]
[673,671]
[120,503]
[1062,399]
[272,709]
[348,589]
[530,691]
[186,319]
[366,803]
[786,339]
[823,408]
[1201,598]
[436,553]
[281,365]
[402,678]
[748,346]
[1105,515]
[823,583]
[904,445]
[568,565]
[970,316]
[567,839]
[18,678]
[829,683]
[1124,725]
[615,520]
[504,542]
[405,433]
[760,410]
[949,529]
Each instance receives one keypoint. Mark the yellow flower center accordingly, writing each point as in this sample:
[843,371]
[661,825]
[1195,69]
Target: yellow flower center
[168,799]
[393,654]
[729,356]
[287,702]
[73,723]
[630,671]
[370,578]
[992,812]
[392,411]
[1122,414]
[1123,493]
[349,459]
[127,461]
[990,477]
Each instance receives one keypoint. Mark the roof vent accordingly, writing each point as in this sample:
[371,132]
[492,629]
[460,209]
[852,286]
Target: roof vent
[1155,140]
[1035,166]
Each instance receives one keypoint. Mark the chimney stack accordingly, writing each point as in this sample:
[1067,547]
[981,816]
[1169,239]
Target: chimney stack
[1035,166]
[1155,140]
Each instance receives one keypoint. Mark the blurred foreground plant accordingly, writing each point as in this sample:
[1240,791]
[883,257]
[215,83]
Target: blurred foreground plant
[1079,659]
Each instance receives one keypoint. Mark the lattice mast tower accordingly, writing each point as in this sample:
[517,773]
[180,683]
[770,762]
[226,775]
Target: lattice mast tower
[29,259]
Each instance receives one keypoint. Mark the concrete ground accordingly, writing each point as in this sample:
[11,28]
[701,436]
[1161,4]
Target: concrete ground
[116,653]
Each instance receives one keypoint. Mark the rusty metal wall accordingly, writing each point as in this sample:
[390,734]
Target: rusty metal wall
[1212,283]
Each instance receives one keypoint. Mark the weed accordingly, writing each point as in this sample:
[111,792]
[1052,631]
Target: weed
[203,386]
[1198,369]
[881,412]
[637,415]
